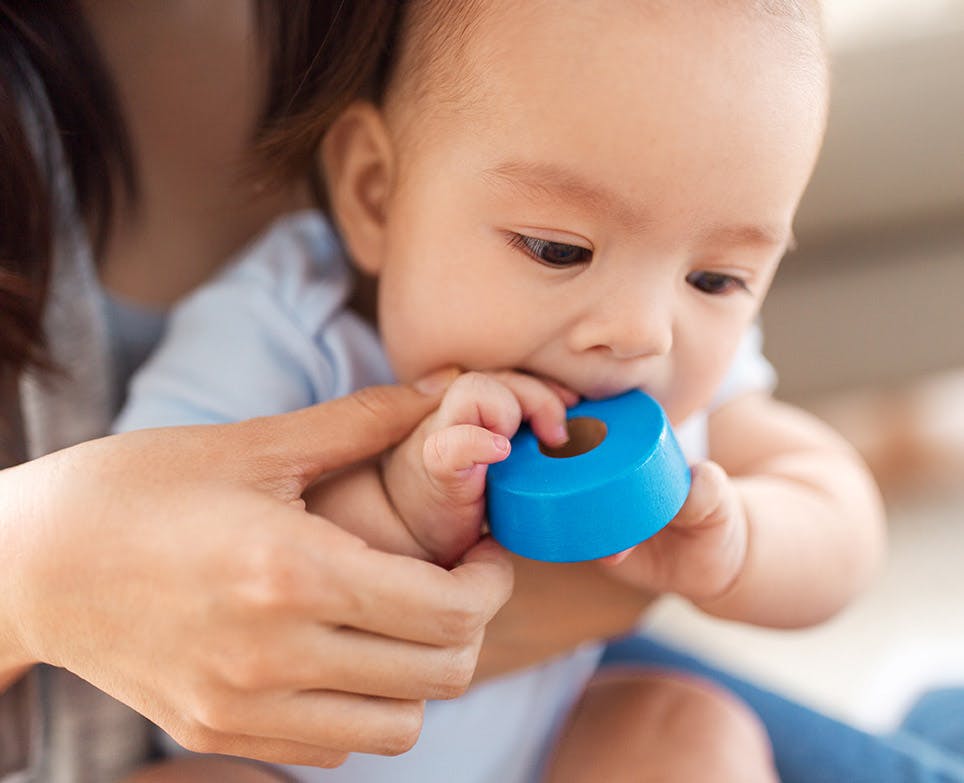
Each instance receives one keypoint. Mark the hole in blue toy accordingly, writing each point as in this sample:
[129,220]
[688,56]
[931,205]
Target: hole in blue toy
[585,433]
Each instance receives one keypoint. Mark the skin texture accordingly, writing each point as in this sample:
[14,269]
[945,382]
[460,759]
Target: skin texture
[359,637]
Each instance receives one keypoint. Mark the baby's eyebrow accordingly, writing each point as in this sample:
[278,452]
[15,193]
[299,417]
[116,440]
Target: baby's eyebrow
[752,235]
[539,180]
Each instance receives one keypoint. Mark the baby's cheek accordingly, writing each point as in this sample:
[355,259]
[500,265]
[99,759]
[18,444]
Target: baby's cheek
[698,378]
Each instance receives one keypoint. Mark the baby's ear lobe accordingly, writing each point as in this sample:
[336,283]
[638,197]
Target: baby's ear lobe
[358,161]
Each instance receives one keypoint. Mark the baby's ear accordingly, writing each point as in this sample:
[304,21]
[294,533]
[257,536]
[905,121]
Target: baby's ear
[358,161]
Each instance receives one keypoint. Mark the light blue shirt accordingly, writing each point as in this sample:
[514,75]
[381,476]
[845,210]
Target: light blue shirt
[271,334]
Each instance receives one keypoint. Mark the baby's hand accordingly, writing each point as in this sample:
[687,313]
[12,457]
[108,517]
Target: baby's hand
[698,555]
[436,477]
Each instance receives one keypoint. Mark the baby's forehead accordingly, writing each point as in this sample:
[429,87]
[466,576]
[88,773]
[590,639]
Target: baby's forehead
[443,48]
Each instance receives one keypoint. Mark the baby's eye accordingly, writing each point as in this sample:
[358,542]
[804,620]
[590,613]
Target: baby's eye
[557,254]
[715,283]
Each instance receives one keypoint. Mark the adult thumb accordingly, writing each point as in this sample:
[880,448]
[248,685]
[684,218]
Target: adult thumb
[346,430]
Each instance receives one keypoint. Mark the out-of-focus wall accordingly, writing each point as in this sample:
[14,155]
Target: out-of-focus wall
[874,295]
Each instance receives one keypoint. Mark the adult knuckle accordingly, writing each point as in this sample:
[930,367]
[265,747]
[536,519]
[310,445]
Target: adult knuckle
[341,601]
[459,623]
[330,759]
[458,672]
[406,728]
[271,577]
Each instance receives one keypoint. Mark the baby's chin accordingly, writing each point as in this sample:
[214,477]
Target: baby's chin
[605,392]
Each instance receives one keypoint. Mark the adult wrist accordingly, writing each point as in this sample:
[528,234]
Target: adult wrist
[14,525]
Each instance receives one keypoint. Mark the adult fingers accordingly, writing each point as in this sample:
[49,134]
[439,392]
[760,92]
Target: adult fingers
[410,599]
[315,728]
[364,663]
[301,726]
[272,751]
[312,656]
[346,430]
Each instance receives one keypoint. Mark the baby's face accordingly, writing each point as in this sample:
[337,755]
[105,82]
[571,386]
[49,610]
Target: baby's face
[607,203]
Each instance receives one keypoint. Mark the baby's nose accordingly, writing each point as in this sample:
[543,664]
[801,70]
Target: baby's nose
[629,327]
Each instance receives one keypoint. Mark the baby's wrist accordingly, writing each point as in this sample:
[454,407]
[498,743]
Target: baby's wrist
[398,480]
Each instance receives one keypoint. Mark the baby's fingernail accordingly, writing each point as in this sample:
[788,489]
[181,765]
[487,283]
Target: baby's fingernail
[436,382]
[561,435]
[501,443]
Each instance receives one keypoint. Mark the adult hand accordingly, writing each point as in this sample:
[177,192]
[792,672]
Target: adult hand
[177,570]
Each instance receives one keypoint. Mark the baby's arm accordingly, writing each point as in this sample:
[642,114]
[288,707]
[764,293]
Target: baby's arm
[781,529]
[429,493]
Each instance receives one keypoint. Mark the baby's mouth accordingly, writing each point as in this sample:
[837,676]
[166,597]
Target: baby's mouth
[594,388]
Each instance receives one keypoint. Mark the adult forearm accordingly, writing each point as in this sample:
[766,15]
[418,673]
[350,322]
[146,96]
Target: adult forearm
[815,536]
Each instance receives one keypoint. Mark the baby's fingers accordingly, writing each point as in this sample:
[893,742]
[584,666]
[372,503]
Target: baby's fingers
[712,501]
[452,453]
[479,399]
[543,405]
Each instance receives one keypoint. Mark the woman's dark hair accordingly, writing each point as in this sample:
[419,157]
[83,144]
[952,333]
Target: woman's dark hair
[319,56]
[48,58]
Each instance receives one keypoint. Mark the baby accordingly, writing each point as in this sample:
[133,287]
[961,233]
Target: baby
[566,199]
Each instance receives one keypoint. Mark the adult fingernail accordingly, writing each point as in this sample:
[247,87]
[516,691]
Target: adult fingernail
[436,382]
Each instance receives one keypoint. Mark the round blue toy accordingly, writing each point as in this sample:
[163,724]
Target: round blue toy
[621,478]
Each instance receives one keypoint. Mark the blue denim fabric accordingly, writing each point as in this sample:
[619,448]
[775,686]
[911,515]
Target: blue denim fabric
[813,748]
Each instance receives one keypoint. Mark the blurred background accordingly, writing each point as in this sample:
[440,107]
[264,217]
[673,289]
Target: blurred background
[865,325]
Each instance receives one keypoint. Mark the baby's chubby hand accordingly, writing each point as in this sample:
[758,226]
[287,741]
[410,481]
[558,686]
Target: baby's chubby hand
[436,477]
[701,552]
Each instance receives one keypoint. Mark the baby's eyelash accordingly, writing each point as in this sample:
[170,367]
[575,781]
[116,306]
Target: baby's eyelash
[554,254]
[717,283]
